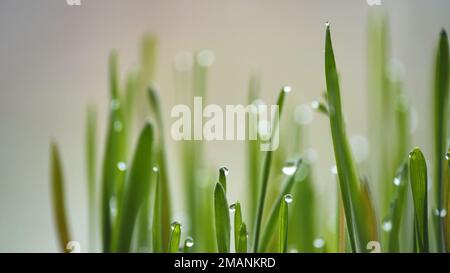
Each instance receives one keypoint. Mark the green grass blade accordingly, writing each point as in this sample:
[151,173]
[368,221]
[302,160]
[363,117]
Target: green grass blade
[237,225]
[418,178]
[441,83]
[223,172]
[266,171]
[271,224]
[347,173]
[157,210]
[59,206]
[174,242]
[137,188]
[165,215]
[243,236]
[91,174]
[283,223]
[222,219]
[447,219]
[188,244]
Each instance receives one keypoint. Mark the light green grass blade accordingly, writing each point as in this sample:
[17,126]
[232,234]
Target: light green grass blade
[157,224]
[441,82]
[59,200]
[165,215]
[91,173]
[137,188]
[237,225]
[283,223]
[114,154]
[418,178]
[273,218]
[174,242]
[266,171]
[243,236]
[222,219]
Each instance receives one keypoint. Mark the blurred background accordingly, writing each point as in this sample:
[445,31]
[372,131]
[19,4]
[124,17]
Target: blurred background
[53,63]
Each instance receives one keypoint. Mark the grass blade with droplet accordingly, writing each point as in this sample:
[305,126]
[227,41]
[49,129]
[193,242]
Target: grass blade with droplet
[222,219]
[283,224]
[441,82]
[418,179]
[174,242]
[157,225]
[59,206]
[136,189]
[243,235]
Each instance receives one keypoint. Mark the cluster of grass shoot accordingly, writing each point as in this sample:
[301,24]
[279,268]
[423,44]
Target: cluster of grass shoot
[133,206]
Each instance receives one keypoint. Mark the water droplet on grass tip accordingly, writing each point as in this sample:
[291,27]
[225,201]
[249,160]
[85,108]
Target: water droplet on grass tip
[287,89]
[232,207]
[387,226]
[225,170]
[288,198]
[155,169]
[397,181]
[189,242]
[440,213]
[289,168]
[327,23]
[122,166]
[319,243]
[174,224]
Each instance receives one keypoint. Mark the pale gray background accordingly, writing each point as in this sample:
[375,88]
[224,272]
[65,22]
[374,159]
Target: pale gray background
[53,62]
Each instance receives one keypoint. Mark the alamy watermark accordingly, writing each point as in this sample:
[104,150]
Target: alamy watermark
[73,2]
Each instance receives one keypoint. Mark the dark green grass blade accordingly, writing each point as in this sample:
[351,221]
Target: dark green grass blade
[272,220]
[165,214]
[347,173]
[137,188]
[114,153]
[243,236]
[157,224]
[283,224]
[222,219]
[447,221]
[418,178]
[441,83]
[266,173]
[174,242]
[59,206]
[237,225]
[91,174]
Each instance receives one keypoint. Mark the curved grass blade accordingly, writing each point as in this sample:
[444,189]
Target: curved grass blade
[114,153]
[243,236]
[283,223]
[174,242]
[270,226]
[266,170]
[441,82]
[136,190]
[91,154]
[164,216]
[237,225]
[347,173]
[418,178]
[59,206]
[222,219]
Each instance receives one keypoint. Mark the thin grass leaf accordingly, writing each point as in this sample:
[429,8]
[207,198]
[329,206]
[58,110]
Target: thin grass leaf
[188,244]
[418,178]
[157,210]
[59,200]
[112,176]
[165,215]
[283,223]
[266,171]
[222,219]
[348,176]
[272,220]
[441,82]
[447,219]
[137,188]
[243,236]
[237,225]
[91,174]
[174,242]
[369,215]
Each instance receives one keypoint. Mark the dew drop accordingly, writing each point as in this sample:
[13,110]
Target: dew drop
[319,242]
[287,89]
[122,166]
[387,226]
[289,168]
[447,156]
[118,126]
[440,213]
[225,170]
[397,181]
[155,169]
[327,23]
[114,104]
[232,207]
[174,224]
[189,242]
[288,198]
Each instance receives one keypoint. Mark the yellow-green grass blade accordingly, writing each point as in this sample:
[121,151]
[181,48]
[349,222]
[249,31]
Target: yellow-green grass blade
[157,233]
[58,196]
[222,219]
[237,225]
[418,179]
[441,82]
[136,189]
[243,236]
[447,221]
[266,171]
[165,215]
[272,220]
[283,223]
[174,242]
[91,173]
[114,158]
